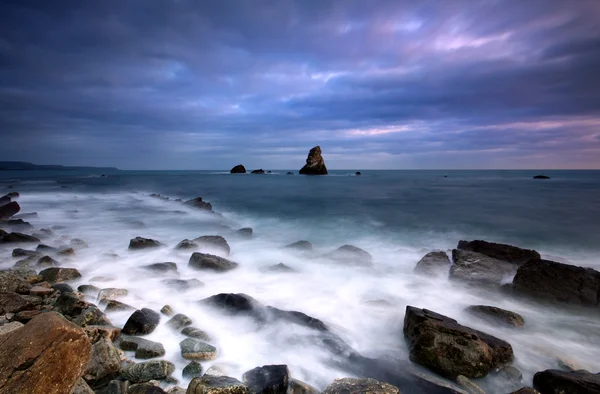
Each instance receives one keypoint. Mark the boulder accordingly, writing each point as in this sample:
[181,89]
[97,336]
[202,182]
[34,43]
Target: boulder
[13,303]
[179,321]
[149,370]
[495,315]
[193,349]
[198,203]
[553,381]
[183,284]
[62,287]
[349,254]
[47,356]
[18,238]
[315,165]
[289,173]
[143,348]
[117,306]
[509,253]
[261,171]
[239,169]
[18,252]
[558,282]
[9,209]
[478,268]
[196,333]
[433,263]
[58,274]
[104,365]
[303,246]
[43,248]
[214,242]
[138,243]
[357,173]
[360,386]
[141,322]
[186,244]
[26,316]
[217,385]
[441,344]
[167,310]
[202,261]
[47,261]
[245,232]
[12,282]
[111,293]
[268,379]
[161,267]
[79,243]
[192,370]
[541,177]
[90,290]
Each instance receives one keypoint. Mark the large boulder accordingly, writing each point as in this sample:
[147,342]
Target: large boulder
[433,263]
[198,203]
[268,379]
[141,322]
[495,315]
[239,169]
[47,356]
[558,282]
[475,267]
[217,385]
[9,209]
[553,381]
[352,255]
[213,243]
[450,349]
[315,165]
[360,386]
[509,253]
[18,238]
[143,243]
[204,261]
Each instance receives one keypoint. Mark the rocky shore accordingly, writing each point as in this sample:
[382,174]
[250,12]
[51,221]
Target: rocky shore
[56,337]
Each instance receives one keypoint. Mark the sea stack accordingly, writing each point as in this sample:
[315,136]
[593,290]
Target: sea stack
[239,169]
[315,165]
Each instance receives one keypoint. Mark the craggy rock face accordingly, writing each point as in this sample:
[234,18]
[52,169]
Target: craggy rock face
[315,165]
[360,386]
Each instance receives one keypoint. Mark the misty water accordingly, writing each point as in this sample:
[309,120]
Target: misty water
[397,216]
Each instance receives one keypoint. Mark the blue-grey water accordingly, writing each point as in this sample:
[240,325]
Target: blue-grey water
[397,216]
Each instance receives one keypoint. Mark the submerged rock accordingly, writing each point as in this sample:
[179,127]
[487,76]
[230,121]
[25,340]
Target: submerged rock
[279,268]
[433,263]
[268,379]
[192,370]
[179,321]
[478,268]
[18,252]
[183,284]
[141,322]
[89,290]
[360,386]
[349,254]
[198,203]
[239,169]
[509,253]
[215,242]
[138,243]
[559,382]
[161,267]
[203,261]
[186,244]
[18,238]
[541,177]
[315,165]
[217,385]
[496,315]
[245,232]
[193,349]
[47,261]
[150,370]
[304,246]
[196,333]
[261,171]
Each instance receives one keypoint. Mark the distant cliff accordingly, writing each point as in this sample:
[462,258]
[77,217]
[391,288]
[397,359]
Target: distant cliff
[22,165]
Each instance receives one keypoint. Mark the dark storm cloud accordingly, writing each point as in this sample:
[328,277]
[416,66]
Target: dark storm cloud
[389,84]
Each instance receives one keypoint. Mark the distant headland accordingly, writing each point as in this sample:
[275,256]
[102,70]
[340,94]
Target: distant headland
[22,165]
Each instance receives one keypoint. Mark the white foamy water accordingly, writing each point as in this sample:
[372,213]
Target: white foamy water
[364,306]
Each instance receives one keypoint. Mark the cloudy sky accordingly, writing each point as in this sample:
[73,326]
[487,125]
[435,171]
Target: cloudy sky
[192,84]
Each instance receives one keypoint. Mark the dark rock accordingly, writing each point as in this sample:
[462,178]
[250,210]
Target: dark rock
[183,284]
[26,263]
[18,252]
[81,387]
[43,248]
[198,203]
[58,274]
[239,169]
[69,304]
[315,165]
[357,173]
[141,322]
[13,303]
[215,242]
[117,306]
[9,209]
[268,379]
[193,349]
[143,243]
[450,349]
[89,290]
[149,370]
[143,348]
[245,232]
[261,171]
[433,263]
[526,390]
[349,254]
[179,321]
[496,315]
[104,365]
[161,267]
[553,381]
[91,316]
[65,251]
[304,246]
[202,261]
[192,370]
[145,388]
[167,310]
[18,238]
[62,287]
[541,177]
[290,173]
[4,200]
[360,386]
[279,268]
[47,261]
[27,215]
[186,244]
[509,253]
[558,282]
[233,303]
[115,387]
[196,333]
[217,385]
[478,268]
[13,195]
[47,356]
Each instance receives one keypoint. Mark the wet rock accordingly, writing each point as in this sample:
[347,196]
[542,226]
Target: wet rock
[91,315]
[115,387]
[149,370]
[47,356]
[9,209]
[299,387]
[315,165]
[496,315]
[179,321]
[558,282]
[304,246]
[203,261]
[18,252]
[8,328]
[18,238]
[192,370]
[183,284]
[117,306]
[143,348]
[141,322]
[279,268]
[509,253]
[526,390]
[478,268]
[559,382]
[104,365]
[13,283]
[96,333]
[138,243]
[193,349]
[233,303]
[450,349]
[62,287]
[260,171]
[13,303]
[360,386]
[81,387]
[47,261]
[58,274]
[214,242]
[167,310]
[43,248]
[217,385]
[78,243]
[198,203]
[161,267]
[245,232]
[65,251]
[239,169]
[90,290]
[541,177]
[111,293]
[349,254]
[186,244]
[196,333]
[145,388]
[268,379]
[433,263]
[176,390]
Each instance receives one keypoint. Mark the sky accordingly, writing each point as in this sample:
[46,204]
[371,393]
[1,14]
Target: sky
[190,84]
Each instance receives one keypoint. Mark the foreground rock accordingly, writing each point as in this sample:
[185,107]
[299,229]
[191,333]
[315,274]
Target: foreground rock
[360,386]
[104,364]
[217,385]
[13,303]
[433,263]
[509,253]
[558,282]
[496,315]
[349,254]
[198,203]
[141,322]
[138,243]
[553,381]
[47,356]
[315,165]
[450,349]
[239,169]
[268,379]
[478,268]
[150,370]
[9,209]
[204,261]
[214,242]
[13,283]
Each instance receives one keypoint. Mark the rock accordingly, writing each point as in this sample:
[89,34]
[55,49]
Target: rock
[568,364]
[299,387]
[193,349]
[198,203]
[214,242]
[179,321]
[450,349]
[13,303]
[360,386]
[289,173]
[433,263]
[18,238]
[111,293]
[558,282]
[145,388]
[349,254]
[167,310]
[89,290]
[143,348]
[104,365]
[496,315]
[62,287]
[81,387]
[186,244]
[196,333]
[65,251]
[526,390]
[509,253]
[141,322]
[115,387]
[96,333]
[143,243]
[18,252]
[79,243]
[541,177]
[6,329]
[216,385]
[58,274]
[26,316]
[192,370]
[304,246]
[13,283]
[183,284]
[117,306]
[357,173]
[279,268]
[161,267]
[469,385]
[149,370]
[202,261]
[239,169]
[216,370]
[315,165]
[261,171]
[475,267]
[245,232]
[176,390]
[268,379]
[559,382]
[9,209]
[47,261]
[47,356]
[43,248]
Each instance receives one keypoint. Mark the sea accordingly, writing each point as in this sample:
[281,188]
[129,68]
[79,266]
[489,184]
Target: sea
[396,216]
